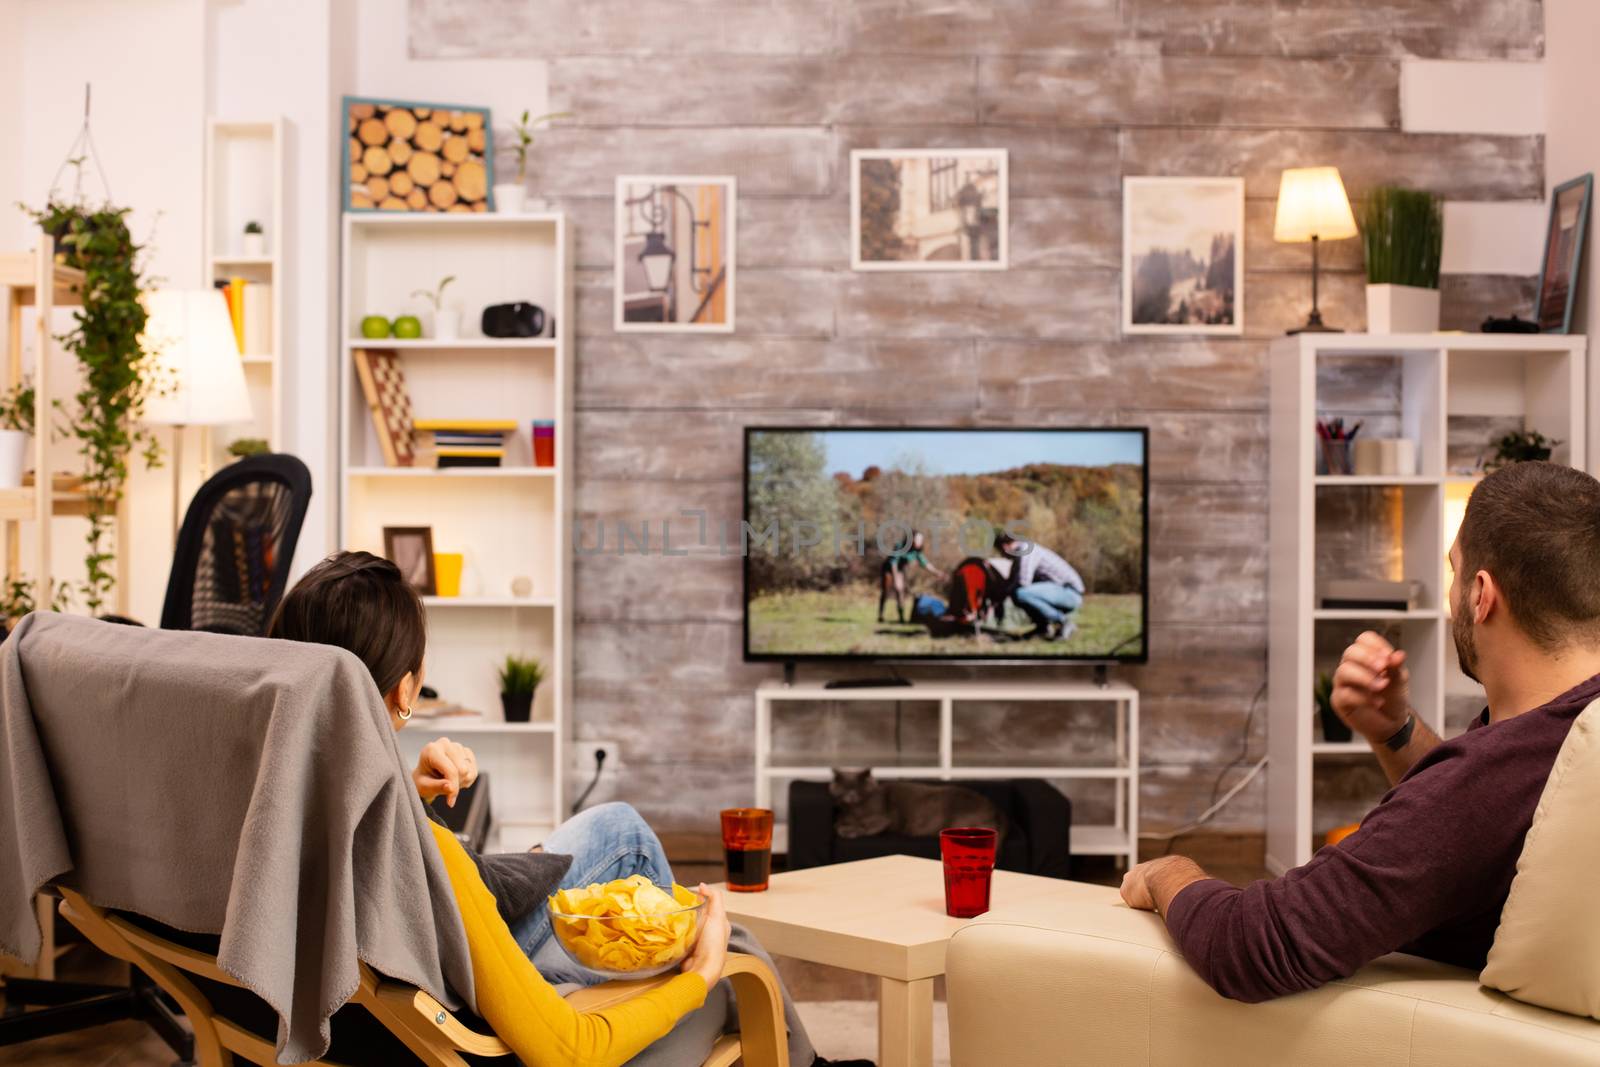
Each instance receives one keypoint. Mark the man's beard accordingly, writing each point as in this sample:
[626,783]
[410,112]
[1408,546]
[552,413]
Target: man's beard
[1466,645]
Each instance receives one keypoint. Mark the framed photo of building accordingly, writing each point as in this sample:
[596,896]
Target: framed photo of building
[676,245]
[1183,255]
[1563,254]
[928,209]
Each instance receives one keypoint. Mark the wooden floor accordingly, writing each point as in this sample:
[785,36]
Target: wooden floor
[132,1044]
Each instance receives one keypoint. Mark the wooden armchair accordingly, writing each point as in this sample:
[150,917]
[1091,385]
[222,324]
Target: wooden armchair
[431,1032]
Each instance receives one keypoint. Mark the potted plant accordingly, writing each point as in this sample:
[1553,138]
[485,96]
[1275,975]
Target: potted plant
[241,447]
[1402,232]
[16,426]
[509,196]
[255,241]
[1334,729]
[446,324]
[519,680]
[1520,446]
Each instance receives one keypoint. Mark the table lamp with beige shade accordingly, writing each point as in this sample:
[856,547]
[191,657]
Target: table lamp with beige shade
[1312,206]
[199,379]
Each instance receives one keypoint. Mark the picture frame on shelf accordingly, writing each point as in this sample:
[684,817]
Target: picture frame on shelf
[676,254]
[1563,254]
[1182,255]
[411,549]
[929,209]
[400,155]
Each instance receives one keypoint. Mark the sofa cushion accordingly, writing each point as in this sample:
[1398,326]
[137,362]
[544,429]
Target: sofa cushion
[1547,949]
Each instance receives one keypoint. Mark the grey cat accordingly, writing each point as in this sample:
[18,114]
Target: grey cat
[865,806]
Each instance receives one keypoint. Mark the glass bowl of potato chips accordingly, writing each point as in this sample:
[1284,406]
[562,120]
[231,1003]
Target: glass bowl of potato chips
[628,928]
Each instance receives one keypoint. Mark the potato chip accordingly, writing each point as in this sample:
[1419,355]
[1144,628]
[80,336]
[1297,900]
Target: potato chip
[625,926]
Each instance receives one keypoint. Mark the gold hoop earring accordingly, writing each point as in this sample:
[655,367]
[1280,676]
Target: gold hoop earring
[404,713]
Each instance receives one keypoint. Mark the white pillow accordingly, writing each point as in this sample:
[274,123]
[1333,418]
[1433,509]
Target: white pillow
[1547,949]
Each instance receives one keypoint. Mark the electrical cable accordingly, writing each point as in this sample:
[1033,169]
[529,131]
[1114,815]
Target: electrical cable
[1214,804]
[599,765]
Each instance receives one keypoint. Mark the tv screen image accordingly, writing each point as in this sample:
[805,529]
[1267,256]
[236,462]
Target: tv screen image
[952,544]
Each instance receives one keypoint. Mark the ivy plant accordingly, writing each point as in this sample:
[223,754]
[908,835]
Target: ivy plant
[117,375]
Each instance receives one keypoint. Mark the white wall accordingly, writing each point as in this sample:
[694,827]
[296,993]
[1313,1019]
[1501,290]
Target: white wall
[147,116]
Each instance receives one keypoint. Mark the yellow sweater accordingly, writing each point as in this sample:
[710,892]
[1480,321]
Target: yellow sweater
[526,1011]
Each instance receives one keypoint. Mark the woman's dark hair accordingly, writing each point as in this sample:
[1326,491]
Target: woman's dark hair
[359,602]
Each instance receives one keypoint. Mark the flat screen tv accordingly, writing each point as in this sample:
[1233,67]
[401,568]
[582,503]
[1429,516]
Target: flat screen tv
[876,543]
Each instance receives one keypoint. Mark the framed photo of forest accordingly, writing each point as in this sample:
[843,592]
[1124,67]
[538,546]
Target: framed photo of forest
[1183,255]
[928,209]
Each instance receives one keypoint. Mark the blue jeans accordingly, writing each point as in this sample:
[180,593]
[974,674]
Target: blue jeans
[1047,602]
[605,842]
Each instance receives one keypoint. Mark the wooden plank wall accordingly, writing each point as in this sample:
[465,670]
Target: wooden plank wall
[1081,92]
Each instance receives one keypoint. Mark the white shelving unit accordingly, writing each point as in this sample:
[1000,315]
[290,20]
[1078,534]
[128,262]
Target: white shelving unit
[1535,381]
[244,183]
[509,521]
[1119,838]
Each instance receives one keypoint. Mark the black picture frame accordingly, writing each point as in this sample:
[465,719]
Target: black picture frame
[400,545]
[1561,265]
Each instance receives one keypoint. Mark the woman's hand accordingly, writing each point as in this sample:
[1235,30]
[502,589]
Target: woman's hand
[711,951]
[444,769]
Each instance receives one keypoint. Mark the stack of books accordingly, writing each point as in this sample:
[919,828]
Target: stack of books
[250,310]
[462,442]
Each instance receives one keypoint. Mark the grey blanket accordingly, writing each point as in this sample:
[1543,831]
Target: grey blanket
[223,785]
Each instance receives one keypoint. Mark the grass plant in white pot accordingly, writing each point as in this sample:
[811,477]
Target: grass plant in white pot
[1402,232]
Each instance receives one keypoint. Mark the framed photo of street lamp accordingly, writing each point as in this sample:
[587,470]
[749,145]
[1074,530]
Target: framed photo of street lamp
[928,209]
[676,244]
[1182,255]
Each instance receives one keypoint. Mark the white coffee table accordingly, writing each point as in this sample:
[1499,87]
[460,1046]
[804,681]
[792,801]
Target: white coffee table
[883,917]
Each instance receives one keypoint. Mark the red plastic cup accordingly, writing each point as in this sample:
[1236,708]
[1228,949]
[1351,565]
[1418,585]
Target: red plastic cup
[747,848]
[968,853]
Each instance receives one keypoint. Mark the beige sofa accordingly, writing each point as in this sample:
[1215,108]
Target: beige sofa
[1085,980]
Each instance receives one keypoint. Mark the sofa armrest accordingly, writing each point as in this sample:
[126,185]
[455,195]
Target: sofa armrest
[1080,978]
[810,825]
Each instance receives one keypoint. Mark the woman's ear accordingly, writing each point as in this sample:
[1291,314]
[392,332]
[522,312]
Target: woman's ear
[399,700]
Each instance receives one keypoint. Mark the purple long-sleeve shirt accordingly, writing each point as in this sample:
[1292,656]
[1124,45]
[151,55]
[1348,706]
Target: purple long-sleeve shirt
[1428,872]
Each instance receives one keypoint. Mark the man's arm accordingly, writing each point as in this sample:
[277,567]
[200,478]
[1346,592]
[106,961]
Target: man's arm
[1154,884]
[1371,694]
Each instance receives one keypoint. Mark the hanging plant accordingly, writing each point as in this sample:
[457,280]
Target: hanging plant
[104,416]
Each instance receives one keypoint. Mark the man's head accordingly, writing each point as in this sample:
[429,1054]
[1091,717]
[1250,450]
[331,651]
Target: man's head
[1527,563]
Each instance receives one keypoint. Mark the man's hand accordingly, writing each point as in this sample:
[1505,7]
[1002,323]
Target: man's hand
[444,769]
[711,950]
[1151,885]
[1371,688]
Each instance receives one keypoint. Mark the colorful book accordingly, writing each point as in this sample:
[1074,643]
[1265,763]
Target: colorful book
[236,309]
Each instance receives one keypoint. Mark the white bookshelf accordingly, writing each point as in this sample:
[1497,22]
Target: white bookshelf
[1536,382]
[509,521]
[1120,767]
[244,169]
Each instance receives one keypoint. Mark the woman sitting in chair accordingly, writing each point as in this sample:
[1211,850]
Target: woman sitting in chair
[361,603]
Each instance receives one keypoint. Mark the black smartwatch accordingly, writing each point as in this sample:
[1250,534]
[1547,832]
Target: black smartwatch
[1402,737]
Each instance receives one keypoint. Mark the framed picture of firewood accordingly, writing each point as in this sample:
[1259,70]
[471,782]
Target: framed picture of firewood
[404,156]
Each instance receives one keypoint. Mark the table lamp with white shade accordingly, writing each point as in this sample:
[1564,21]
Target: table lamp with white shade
[199,379]
[1312,206]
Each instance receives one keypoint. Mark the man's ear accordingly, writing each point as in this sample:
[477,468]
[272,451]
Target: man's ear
[1485,595]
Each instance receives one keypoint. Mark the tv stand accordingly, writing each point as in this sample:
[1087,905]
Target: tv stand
[783,755]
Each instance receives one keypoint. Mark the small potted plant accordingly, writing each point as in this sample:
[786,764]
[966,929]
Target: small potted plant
[241,447]
[1334,729]
[255,241]
[1402,233]
[16,426]
[519,680]
[446,323]
[1520,446]
[509,196]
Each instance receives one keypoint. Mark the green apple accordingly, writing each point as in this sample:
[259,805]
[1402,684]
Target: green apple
[408,327]
[374,327]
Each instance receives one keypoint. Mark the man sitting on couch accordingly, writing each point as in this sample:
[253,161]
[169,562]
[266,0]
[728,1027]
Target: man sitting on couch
[1430,868]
